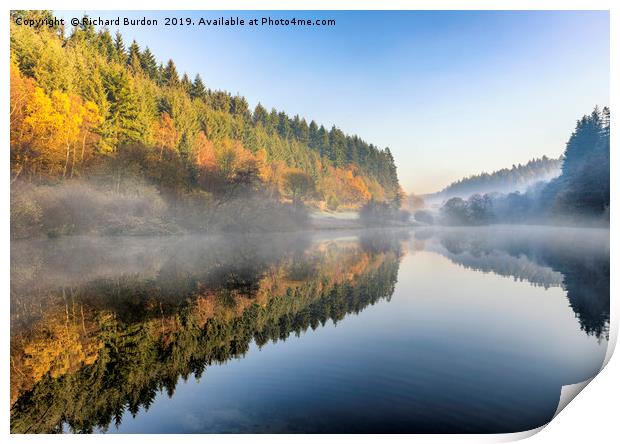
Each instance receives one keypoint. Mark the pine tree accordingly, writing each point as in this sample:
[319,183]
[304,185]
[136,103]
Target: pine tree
[161,75]
[106,45]
[171,77]
[323,143]
[303,132]
[148,63]
[133,53]
[186,84]
[119,46]
[198,90]
[284,126]
[313,135]
[239,107]
[260,115]
[120,126]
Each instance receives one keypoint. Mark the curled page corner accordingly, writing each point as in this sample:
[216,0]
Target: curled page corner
[568,393]
[518,436]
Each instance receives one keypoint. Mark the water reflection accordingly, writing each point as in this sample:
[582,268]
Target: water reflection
[126,320]
[136,320]
[574,259]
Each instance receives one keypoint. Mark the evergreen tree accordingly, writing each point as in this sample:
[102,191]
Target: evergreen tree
[284,126]
[170,75]
[303,132]
[133,53]
[584,186]
[324,146]
[313,130]
[106,45]
[260,115]
[239,107]
[119,46]
[186,84]
[198,90]
[161,75]
[148,63]
[337,147]
[121,125]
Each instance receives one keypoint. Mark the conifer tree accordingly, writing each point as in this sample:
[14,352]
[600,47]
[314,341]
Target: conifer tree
[133,53]
[260,115]
[106,44]
[186,84]
[171,77]
[148,63]
[119,47]
[198,90]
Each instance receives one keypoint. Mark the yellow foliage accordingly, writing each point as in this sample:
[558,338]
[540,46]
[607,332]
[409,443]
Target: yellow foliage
[46,130]
[345,186]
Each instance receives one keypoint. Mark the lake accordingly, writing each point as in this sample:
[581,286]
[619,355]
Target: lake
[425,330]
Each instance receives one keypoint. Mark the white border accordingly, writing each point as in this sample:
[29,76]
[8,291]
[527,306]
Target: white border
[592,418]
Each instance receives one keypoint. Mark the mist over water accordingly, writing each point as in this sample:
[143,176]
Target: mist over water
[449,330]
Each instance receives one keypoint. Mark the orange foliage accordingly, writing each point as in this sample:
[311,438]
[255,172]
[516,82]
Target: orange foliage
[232,157]
[60,343]
[348,185]
[205,152]
[166,135]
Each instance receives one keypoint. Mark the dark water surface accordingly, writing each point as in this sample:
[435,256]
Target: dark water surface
[428,330]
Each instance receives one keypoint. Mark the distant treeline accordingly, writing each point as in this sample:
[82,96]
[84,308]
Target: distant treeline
[579,195]
[85,106]
[517,178]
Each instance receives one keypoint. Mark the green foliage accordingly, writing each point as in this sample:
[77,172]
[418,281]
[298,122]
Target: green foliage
[299,185]
[477,210]
[198,90]
[133,94]
[584,187]
[376,213]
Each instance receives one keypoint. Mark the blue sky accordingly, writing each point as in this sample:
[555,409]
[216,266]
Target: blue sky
[452,93]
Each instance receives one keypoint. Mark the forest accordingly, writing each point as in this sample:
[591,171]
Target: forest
[517,178]
[106,139]
[579,195]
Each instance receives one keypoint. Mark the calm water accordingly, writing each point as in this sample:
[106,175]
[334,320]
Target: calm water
[446,331]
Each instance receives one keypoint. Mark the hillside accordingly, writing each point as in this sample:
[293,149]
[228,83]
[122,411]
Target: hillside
[85,106]
[580,195]
[507,180]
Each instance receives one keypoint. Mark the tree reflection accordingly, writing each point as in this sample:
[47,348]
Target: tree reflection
[576,260]
[127,336]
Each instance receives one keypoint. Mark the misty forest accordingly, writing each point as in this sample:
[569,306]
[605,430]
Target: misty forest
[181,262]
[105,140]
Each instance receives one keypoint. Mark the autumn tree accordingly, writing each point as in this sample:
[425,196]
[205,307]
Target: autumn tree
[166,135]
[298,185]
